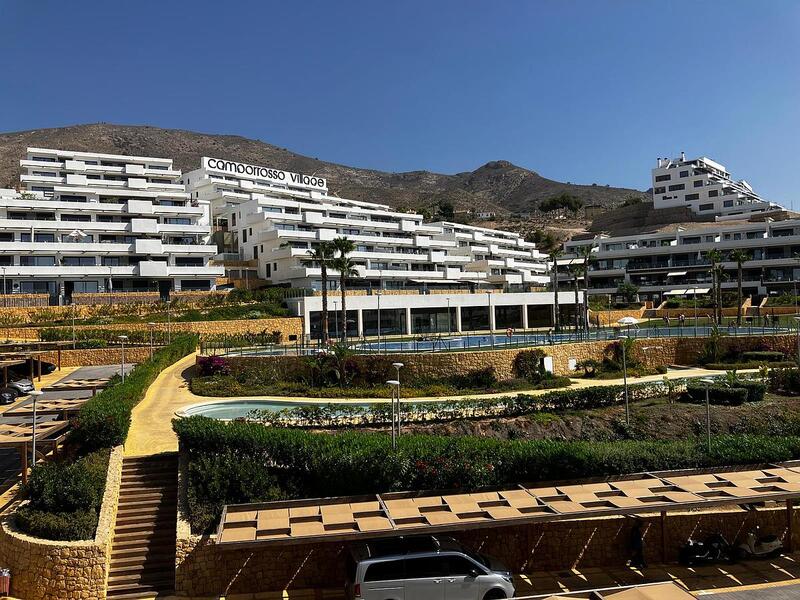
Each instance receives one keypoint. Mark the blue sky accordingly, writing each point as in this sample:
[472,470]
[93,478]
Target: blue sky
[581,91]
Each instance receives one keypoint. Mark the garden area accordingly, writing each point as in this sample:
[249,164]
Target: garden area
[64,494]
[342,373]
[245,461]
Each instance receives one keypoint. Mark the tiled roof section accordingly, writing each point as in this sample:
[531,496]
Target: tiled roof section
[399,513]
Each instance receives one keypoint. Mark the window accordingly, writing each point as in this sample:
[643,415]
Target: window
[244,236]
[713,193]
[666,177]
[420,568]
[727,203]
[659,190]
[178,221]
[706,207]
[676,187]
[82,218]
[37,261]
[111,261]
[690,197]
[684,173]
[698,183]
[458,565]
[79,261]
[37,237]
[85,287]
[385,571]
[189,261]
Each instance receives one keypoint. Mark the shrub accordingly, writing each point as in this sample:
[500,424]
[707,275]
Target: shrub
[78,525]
[479,378]
[717,394]
[785,381]
[762,356]
[528,364]
[720,366]
[755,389]
[212,365]
[306,464]
[104,420]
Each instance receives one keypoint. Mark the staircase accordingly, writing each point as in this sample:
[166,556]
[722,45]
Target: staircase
[143,550]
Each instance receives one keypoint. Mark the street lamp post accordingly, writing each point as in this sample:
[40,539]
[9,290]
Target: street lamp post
[394,385]
[379,320]
[707,381]
[169,324]
[35,394]
[622,340]
[695,311]
[489,315]
[397,366]
[449,319]
[152,326]
[5,289]
[336,318]
[122,339]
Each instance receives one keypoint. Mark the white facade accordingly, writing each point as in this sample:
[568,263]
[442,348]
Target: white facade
[704,186]
[92,222]
[275,218]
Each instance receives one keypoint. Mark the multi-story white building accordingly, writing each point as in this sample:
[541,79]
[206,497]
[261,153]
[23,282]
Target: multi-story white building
[276,217]
[92,222]
[704,186]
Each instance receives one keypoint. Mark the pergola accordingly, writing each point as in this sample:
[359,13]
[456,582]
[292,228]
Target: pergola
[74,385]
[18,437]
[60,407]
[406,513]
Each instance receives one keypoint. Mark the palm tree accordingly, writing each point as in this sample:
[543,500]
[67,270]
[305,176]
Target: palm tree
[347,268]
[715,256]
[555,255]
[576,271]
[739,256]
[321,256]
[585,252]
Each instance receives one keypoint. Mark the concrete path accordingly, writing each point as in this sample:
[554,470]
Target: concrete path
[767,592]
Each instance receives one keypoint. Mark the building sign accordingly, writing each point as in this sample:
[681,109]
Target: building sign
[264,173]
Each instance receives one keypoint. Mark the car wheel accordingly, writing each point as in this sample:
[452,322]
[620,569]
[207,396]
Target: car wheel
[494,595]
[11,392]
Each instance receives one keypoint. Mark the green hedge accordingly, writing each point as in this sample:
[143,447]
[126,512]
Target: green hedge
[239,462]
[64,498]
[785,381]
[103,422]
[763,356]
[717,394]
[738,366]
[335,415]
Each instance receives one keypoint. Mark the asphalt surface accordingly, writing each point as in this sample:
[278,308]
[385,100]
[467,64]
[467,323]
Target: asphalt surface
[784,592]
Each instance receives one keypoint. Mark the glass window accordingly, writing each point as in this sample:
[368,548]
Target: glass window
[385,571]
[666,177]
[79,261]
[458,565]
[420,568]
[698,183]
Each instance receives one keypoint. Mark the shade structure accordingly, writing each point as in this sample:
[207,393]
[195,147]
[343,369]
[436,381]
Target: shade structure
[628,321]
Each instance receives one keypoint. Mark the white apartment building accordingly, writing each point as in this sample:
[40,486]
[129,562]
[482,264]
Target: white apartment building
[276,217]
[704,186]
[91,222]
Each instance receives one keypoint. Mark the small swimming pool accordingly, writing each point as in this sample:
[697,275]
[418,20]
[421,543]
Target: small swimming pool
[239,409]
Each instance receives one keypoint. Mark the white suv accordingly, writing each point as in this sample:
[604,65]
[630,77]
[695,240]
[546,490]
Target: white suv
[424,568]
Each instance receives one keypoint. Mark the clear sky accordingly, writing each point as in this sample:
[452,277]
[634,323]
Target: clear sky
[581,91]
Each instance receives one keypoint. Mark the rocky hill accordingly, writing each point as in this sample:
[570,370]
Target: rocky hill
[496,186]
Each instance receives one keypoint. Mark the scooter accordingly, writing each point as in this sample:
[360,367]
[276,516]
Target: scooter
[715,548]
[755,546]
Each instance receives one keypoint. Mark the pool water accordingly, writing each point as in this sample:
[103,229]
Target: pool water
[237,409]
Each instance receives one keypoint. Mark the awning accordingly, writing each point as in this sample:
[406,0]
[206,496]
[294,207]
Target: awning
[676,273]
[675,292]
[693,291]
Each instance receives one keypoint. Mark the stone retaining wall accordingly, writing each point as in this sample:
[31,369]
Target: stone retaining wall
[48,570]
[90,357]
[290,327]
[205,570]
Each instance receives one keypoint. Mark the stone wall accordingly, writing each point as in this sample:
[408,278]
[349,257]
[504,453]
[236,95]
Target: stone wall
[98,356]
[612,317]
[206,570]
[48,570]
[290,327]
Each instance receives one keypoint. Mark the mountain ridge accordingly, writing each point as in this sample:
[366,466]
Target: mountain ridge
[497,186]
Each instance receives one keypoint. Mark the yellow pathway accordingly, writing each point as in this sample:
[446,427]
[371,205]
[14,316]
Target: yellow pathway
[151,426]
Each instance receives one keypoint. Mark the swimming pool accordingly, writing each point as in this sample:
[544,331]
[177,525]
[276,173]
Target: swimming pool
[239,409]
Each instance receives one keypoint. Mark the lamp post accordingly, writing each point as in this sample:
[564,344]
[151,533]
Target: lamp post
[489,315]
[449,318]
[169,324]
[379,320]
[5,289]
[122,339]
[394,385]
[695,311]
[707,381]
[336,318]
[622,340]
[35,394]
[152,326]
[397,366]
[73,326]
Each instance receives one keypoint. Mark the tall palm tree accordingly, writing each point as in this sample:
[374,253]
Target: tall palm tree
[555,254]
[321,255]
[576,271]
[347,268]
[586,253]
[739,256]
[715,256]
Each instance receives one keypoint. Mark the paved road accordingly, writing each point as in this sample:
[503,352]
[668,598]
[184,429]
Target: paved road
[784,592]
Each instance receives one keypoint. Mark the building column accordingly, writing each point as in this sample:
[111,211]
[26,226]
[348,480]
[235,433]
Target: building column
[458,319]
[524,316]
[360,322]
[492,325]
[408,321]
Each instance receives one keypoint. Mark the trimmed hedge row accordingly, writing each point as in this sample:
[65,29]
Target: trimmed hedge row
[239,462]
[335,415]
[103,422]
[742,391]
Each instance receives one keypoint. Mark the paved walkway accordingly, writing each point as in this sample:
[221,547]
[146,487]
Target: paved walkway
[151,426]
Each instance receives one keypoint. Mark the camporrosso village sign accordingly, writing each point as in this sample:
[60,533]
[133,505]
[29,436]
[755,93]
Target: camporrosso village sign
[265,173]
